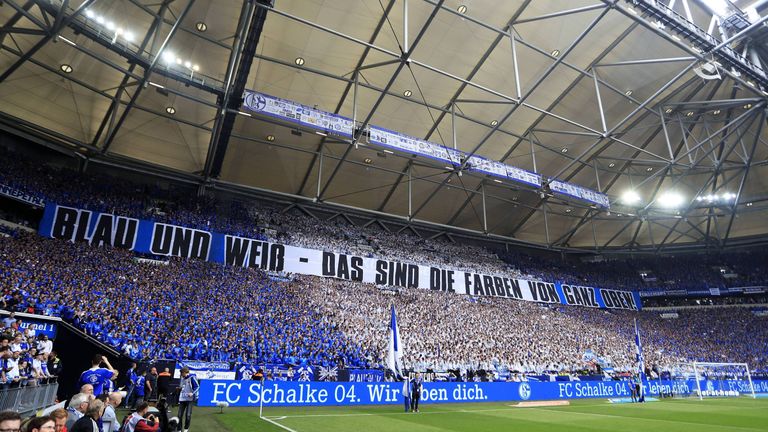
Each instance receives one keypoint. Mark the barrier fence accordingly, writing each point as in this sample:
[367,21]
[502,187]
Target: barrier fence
[29,399]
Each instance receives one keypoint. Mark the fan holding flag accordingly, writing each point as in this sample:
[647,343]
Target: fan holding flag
[394,358]
[395,353]
[640,365]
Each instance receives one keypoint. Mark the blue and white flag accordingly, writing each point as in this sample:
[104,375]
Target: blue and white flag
[640,362]
[395,353]
[206,370]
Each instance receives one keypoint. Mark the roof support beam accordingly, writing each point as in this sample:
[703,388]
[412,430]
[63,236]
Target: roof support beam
[13,20]
[455,98]
[145,79]
[744,178]
[560,13]
[711,180]
[520,101]
[111,114]
[101,93]
[348,87]
[244,46]
[647,142]
[62,20]
[609,134]
[618,233]
[505,32]
[405,62]
[573,84]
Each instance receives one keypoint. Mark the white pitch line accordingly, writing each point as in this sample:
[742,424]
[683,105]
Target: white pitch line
[278,424]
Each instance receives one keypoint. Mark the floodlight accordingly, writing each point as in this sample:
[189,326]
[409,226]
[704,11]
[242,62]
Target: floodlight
[168,56]
[671,200]
[630,197]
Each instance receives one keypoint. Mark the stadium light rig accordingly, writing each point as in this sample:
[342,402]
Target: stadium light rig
[110,26]
[713,198]
[170,59]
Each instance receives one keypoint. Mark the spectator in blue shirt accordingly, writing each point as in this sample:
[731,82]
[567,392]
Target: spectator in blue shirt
[98,376]
[131,385]
[138,389]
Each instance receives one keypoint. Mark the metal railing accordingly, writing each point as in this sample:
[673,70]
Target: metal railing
[27,400]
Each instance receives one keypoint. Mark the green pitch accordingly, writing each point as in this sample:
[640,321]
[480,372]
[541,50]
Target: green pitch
[737,414]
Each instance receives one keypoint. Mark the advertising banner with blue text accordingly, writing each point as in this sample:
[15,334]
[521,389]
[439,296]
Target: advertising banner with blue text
[291,393]
[161,239]
[40,326]
[20,195]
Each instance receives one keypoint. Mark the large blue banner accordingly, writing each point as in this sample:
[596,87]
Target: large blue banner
[291,393]
[161,239]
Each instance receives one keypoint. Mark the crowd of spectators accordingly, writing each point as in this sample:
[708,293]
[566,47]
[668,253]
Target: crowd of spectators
[445,332]
[188,309]
[26,358]
[265,221]
[182,309]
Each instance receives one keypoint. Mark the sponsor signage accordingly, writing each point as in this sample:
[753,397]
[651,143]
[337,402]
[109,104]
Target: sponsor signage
[292,393]
[284,109]
[22,196]
[329,123]
[41,324]
[579,192]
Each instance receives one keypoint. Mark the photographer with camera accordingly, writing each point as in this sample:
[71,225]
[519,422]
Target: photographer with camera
[136,422]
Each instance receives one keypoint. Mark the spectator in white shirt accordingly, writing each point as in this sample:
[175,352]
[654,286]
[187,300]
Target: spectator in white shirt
[16,344]
[12,368]
[44,345]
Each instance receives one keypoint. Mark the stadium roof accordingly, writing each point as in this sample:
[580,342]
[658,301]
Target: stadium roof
[662,98]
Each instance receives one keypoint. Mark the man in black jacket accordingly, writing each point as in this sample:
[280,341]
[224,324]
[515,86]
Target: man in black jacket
[54,364]
[416,385]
